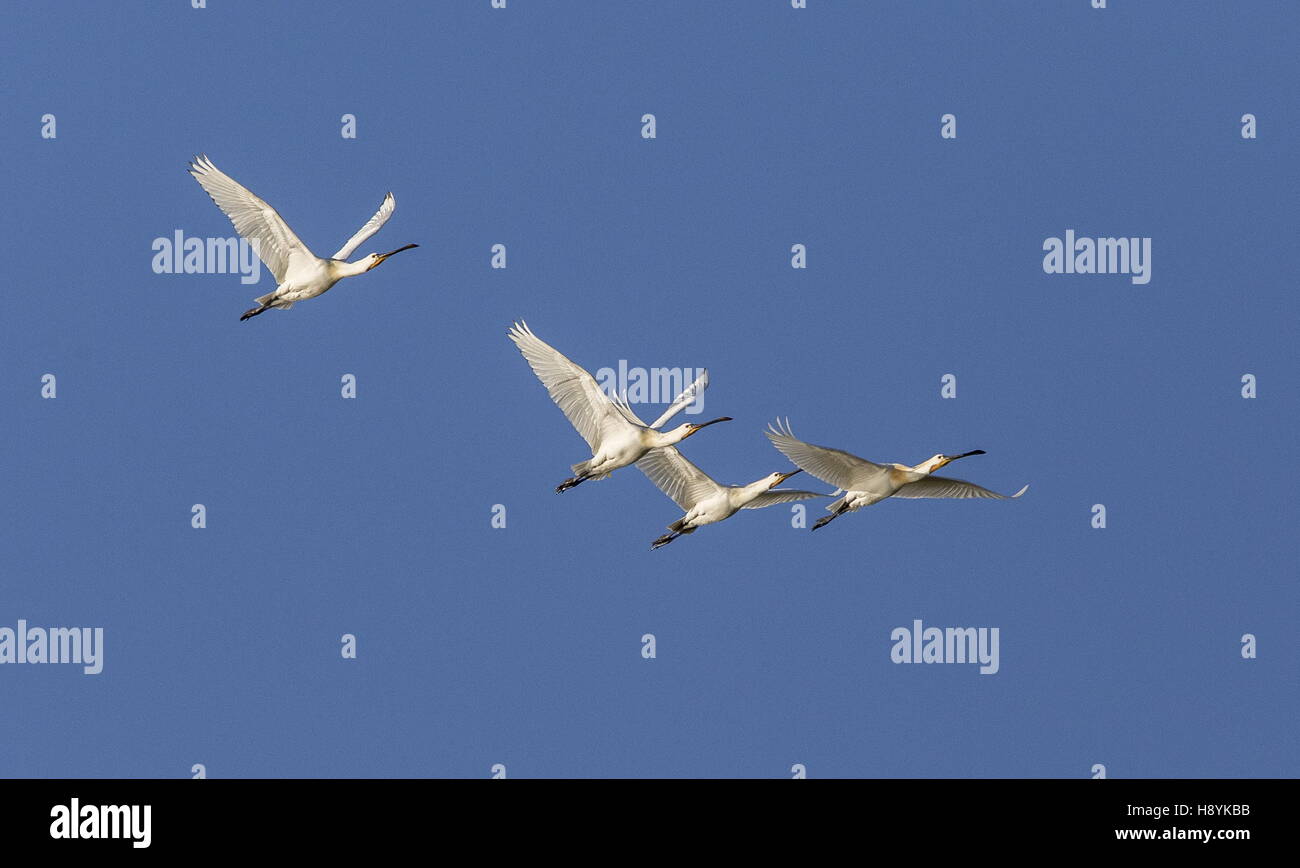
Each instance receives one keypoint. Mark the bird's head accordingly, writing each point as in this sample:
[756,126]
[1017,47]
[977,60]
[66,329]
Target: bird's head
[775,479]
[376,258]
[681,432]
[932,464]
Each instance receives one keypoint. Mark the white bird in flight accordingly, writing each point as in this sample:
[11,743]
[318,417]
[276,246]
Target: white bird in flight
[707,501]
[299,273]
[864,482]
[615,433]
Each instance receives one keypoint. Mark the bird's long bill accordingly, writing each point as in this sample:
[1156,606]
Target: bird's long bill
[384,256]
[707,424]
[949,459]
[785,476]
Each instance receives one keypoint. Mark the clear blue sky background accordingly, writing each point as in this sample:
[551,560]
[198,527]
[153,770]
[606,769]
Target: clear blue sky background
[522,646]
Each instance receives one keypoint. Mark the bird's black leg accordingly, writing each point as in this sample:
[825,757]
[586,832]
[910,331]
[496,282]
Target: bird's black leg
[570,483]
[664,540]
[252,312]
[827,519]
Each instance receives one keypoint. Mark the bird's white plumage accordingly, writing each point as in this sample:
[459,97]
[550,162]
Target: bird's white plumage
[625,409]
[373,225]
[688,486]
[773,496]
[833,466]
[570,386]
[616,434]
[275,243]
[942,486]
[684,483]
[864,482]
[689,394]
[299,273]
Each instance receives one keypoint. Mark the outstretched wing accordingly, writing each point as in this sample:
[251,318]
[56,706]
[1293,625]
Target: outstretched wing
[625,409]
[843,470]
[570,386]
[774,496]
[372,226]
[689,394]
[272,239]
[676,477]
[942,486]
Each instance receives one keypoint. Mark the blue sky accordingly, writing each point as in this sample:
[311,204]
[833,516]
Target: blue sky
[521,645]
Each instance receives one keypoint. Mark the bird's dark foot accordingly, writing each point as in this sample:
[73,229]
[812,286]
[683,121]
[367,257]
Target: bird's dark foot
[251,312]
[569,483]
[825,520]
[664,540]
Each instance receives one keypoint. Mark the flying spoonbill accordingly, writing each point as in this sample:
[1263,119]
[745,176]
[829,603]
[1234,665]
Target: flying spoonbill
[299,272]
[705,500]
[615,433]
[864,482]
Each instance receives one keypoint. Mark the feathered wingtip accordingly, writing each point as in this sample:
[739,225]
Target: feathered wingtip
[779,428]
[520,330]
[201,165]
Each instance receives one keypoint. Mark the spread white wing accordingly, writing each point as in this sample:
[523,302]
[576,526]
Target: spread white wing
[272,239]
[843,470]
[676,477]
[689,394]
[623,407]
[679,403]
[780,495]
[372,226]
[941,486]
[570,386]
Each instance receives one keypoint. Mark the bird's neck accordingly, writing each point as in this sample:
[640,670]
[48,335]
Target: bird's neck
[662,438]
[925,468]
[350,269]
